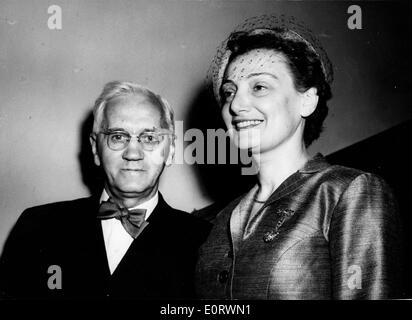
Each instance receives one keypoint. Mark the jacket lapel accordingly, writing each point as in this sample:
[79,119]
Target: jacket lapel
[83,251]
[101,255]
[239,218]
[238,212]
[92,240]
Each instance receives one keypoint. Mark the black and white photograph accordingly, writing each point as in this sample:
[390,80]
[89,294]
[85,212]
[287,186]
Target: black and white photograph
[211,152]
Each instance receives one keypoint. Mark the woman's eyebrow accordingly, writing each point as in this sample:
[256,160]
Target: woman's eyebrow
[250,75]
[262,73]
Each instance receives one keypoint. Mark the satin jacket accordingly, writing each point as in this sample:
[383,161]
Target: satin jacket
[327,232]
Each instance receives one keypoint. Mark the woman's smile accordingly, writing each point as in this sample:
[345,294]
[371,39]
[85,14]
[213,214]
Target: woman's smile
[245,124]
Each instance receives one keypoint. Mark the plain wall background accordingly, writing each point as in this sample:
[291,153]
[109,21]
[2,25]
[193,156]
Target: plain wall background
[49,80]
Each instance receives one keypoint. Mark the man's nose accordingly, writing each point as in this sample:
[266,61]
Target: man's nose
[133,151]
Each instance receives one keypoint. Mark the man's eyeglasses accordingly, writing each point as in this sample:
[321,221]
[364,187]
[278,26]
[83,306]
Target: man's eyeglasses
[149,140]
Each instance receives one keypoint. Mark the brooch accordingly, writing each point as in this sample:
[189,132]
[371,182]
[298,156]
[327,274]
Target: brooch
[269,236]
[284,214]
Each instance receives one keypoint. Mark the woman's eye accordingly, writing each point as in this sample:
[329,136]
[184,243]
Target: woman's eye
[259,87]
[227,95]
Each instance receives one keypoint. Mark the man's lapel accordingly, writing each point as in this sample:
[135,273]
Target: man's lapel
[101,255]
[80,249]
[96,248]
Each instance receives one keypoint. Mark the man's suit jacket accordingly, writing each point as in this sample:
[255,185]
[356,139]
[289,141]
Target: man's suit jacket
[158,264]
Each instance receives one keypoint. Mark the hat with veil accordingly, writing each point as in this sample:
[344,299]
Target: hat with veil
[283,27]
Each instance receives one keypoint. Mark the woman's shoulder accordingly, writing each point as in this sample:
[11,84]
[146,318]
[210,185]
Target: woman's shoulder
[336,178]
[319,168]
[345,177]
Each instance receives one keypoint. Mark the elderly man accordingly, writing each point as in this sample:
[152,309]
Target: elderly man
[126,243]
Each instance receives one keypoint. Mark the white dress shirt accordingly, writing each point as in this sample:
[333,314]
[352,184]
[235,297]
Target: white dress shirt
[116,239]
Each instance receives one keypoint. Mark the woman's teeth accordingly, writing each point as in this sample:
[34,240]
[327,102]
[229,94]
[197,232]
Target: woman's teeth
[247,124]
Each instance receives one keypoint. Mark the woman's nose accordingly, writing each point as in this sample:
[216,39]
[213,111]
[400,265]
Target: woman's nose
[240,102]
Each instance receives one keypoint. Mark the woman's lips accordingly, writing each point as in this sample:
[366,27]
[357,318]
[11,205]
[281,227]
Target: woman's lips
[246,124]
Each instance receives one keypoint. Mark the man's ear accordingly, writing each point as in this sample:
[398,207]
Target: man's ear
[171,154]
[93,143]
[309,103]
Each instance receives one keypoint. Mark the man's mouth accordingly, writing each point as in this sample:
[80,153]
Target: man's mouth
[246,124]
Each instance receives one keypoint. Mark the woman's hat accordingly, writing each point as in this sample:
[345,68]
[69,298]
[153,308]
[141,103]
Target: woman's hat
[284,27]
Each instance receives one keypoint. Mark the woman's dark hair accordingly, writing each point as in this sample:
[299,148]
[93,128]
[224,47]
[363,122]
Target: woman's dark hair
[305,67]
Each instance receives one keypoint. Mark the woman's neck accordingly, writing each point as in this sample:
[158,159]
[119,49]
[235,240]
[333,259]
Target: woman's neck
[276,165]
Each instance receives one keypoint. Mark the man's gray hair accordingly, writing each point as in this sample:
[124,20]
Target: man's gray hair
[123,89]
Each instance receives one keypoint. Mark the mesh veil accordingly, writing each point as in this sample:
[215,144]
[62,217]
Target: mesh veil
[283,26]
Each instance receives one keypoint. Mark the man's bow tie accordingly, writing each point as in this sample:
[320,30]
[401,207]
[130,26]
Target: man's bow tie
[132,220]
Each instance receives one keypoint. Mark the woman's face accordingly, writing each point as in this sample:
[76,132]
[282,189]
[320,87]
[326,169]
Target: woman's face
[261,107]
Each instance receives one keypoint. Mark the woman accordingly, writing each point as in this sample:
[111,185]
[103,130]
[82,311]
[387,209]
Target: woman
[307,230]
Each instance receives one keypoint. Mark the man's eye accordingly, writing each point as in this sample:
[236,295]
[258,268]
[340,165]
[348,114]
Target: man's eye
[150,138]
[118,138]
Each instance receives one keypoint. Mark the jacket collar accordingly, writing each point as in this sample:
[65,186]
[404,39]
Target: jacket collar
[296,180]
[317,163]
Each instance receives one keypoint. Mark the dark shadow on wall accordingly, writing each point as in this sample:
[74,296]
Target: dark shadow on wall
[91,174]
[221,182]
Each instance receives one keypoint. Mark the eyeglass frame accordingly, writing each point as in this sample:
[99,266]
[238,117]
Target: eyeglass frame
[162,132]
